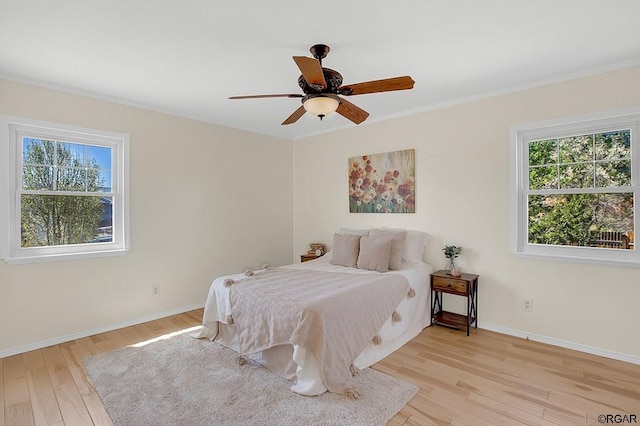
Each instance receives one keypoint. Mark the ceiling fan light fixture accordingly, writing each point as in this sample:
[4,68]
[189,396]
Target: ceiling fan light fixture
[321,105]
[321,87]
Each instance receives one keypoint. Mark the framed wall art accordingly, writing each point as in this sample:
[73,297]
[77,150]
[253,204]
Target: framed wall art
[383,183]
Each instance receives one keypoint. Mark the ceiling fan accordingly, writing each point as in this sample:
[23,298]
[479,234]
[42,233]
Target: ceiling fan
[321,87]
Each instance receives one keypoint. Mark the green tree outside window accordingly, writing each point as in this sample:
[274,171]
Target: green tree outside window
[51,219]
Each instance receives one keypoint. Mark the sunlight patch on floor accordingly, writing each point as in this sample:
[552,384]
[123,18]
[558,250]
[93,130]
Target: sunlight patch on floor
[166,336]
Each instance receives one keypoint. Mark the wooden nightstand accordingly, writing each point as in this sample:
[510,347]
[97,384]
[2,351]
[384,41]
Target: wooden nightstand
[467,286]
[307,257]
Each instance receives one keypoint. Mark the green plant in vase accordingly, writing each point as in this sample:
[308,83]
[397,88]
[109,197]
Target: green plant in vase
[451,252]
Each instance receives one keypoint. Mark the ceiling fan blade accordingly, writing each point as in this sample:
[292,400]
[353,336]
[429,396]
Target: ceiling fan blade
[311,71]
[352,112]
[376,86]
[295,116]
[291,95]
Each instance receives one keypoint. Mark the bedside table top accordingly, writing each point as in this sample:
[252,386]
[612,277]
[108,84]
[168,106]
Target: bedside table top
[308,256]
[464,276]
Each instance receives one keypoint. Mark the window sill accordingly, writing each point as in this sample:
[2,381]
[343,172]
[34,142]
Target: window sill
[580,259]
[63,257]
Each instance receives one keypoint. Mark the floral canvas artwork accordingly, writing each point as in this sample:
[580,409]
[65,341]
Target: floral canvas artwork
[383,183]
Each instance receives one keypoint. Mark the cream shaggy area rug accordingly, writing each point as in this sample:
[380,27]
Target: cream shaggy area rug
[185,381]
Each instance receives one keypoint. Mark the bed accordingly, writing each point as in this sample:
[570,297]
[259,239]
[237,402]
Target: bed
[396,303]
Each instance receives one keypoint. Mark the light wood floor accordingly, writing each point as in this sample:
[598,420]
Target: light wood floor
[484,379]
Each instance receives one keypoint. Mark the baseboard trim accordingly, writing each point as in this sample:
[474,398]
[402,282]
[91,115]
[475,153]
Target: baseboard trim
[86,333]
[633,359]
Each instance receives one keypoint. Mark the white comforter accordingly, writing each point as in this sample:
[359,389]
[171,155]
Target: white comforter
[414,312]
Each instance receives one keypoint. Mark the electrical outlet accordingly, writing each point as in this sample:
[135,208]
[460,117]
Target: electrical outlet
[527,305]
[155,289]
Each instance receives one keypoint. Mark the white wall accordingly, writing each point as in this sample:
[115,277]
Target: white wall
[209,200]
[205,200]
[462,176]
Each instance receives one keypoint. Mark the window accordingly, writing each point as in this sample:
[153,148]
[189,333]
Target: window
[64,192]
[574,188]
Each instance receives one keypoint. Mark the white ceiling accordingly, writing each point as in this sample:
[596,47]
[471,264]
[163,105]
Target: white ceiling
[187,57]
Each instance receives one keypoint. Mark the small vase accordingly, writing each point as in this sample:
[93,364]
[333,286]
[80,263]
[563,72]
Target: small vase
[451,267]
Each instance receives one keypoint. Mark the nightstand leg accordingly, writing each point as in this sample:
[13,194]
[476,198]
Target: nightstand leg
[468,315]
[475,302]
[436,304]
[433,306]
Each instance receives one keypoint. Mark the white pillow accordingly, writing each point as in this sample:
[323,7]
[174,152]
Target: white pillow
[349,231]
[375,253]
[414,245]
[345,250]
[397,237]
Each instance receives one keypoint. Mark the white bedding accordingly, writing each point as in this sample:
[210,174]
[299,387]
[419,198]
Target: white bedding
[294,362]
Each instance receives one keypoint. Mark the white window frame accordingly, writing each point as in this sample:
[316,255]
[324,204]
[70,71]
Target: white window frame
[521,135]
[12,129]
